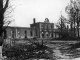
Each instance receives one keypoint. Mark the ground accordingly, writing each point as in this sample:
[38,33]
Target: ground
[59,50]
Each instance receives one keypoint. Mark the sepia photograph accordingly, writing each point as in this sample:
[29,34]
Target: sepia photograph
[39,29]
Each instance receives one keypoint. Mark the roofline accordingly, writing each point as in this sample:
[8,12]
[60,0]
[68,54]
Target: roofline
[42,22]
[19,27]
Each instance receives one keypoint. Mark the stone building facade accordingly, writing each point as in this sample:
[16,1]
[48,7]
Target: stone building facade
[44,29]
[20,32]
[37,29]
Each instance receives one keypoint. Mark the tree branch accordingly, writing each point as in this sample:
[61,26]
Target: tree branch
[6,5]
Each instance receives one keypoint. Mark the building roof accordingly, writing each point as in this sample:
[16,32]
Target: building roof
[19,27]
[44,22]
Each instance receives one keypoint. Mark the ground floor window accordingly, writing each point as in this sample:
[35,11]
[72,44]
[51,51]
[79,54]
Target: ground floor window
[25,32]
[52,34]
[42,35]
[13,34]
[31,33]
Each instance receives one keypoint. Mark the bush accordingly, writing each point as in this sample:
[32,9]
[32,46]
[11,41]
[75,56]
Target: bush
[28,51]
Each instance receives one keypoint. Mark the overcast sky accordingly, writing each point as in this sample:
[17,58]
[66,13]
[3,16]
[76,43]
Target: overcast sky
[26,10]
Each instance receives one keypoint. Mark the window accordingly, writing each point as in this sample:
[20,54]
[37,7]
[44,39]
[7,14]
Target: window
[47,26]
[42,35]
[36,33]
[18,33]
[25,32]
[42,26]
[5,34]
[52,26]
[52,35]
[47,34]
[12,34]
[31,33]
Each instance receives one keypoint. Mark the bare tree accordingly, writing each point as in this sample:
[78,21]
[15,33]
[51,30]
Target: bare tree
[2,11]
[4,15]
[73,11]
[61,23]
[62,26]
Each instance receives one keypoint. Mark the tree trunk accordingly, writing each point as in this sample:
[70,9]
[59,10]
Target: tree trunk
[2,10]
[61,27]
[1,17]
[74,25]
[77,25]
[1,27]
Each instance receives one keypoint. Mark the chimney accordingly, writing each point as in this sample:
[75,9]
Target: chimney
[34,21]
